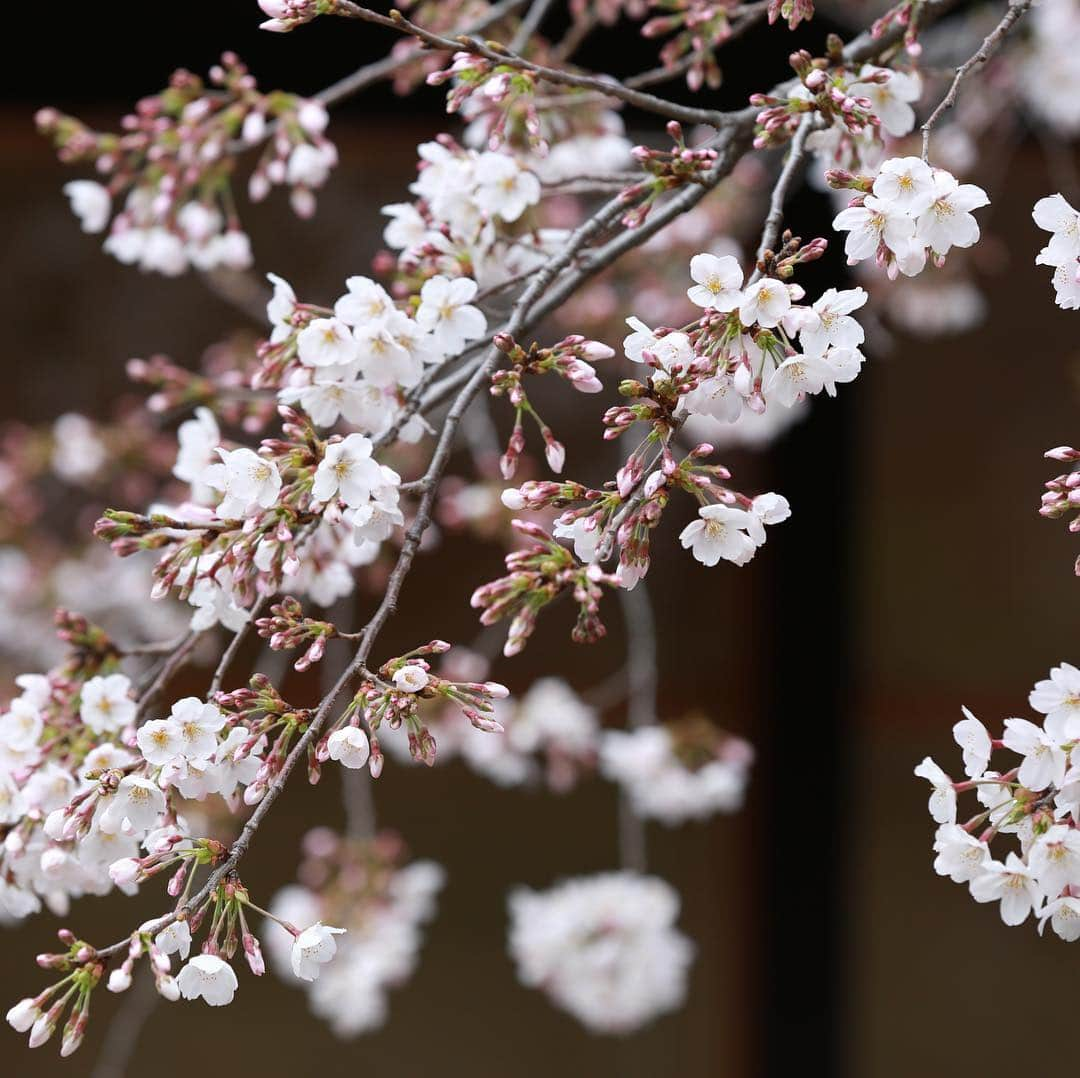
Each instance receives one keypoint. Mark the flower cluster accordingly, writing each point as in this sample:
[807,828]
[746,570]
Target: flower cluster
[1062,253]
[604,948]
[383,904]
[678,771]
[353,361]
[208,975]
[913,212]
[1035,801]
[173,162]
[392,697]
[469,212]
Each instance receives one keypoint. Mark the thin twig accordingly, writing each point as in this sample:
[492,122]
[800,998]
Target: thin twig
[775,217]
[991,43]
[234,646]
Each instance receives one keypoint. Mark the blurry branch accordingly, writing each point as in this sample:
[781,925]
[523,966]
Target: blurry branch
[641,688]
[991,43]
[122,1033]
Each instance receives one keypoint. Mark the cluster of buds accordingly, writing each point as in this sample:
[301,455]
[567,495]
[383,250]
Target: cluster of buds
[393,695]
[229,929]
[668,170]
[173,163]
[41,1014]
[781,264]
[91,648]
[288,628]
[1062,497]
[173,850]
[266,714]
[500,96]
[795,11]
[568,359]
[285,15]
[544,494]
[906,13]
[826,84]
[654,402]
[536,576]
[260,549]
[224,388]
[700,28]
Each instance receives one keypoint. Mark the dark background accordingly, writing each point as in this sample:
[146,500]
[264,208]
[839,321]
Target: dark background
[914,576]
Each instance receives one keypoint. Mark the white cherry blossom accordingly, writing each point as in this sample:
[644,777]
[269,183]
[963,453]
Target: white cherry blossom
[313,948]
[208,977]
[445,310]
[349,747]
[327,342]
[105,704]
[719,281]
[245,480]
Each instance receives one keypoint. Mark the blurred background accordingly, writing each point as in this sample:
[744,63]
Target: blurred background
[914,576]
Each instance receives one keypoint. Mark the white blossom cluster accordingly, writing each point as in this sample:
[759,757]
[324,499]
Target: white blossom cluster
[352,362]
[770,348]
[1056,216]
[914,212]
[176,217]
[466,203]
[379,952]
[730,533]
[663,784]
[604,948]
[70,834]
[549,730]
[892,95]
[1036,802]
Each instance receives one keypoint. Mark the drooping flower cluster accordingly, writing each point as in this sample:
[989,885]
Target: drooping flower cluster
[173,162]
[911,212]
[604,948]
[678,771]
[1035,802]
[1056,216]
[208,975]
[382,902]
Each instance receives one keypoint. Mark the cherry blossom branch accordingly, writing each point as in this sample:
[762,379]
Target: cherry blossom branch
[991,43]
[376,72]
[751,14]
[235,644]
[606,85]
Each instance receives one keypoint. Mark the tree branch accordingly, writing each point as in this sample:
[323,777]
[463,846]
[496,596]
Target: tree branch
[991,43]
